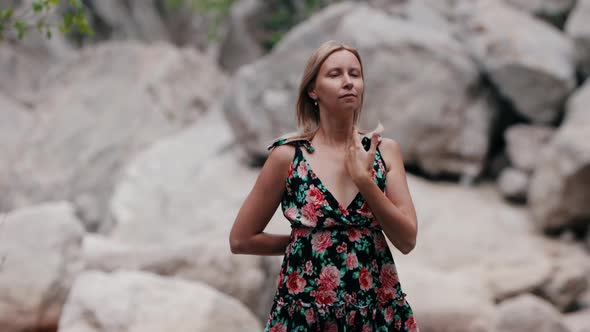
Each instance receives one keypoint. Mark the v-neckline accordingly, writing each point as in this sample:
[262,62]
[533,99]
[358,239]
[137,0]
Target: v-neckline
[325,188]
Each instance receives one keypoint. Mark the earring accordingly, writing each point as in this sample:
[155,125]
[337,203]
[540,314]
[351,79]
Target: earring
[315,102]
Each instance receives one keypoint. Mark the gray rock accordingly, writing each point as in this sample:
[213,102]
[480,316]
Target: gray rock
[578,321]
[461,303]
[523,143]
[528,313]
[39,258]
[23,62]
[139,301]
[532,66]
[514,183]
[95,112]
[170,204]
[422,12]
[569,277]
[544,8]
[239,46]
[577,28]
[205,259]
[132,19]
[560,184]
[483,237]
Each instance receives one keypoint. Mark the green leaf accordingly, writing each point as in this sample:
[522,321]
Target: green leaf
[20,27]
[40,25]
[37,6]
[6,14]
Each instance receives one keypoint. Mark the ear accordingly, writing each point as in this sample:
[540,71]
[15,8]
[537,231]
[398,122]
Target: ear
[312,94]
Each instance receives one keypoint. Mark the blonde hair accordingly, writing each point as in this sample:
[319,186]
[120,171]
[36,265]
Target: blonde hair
[308,119]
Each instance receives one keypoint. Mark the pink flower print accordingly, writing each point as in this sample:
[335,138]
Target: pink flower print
[354,234]
[315,196]
[342,210]
[321,241]
[295,283]
[310,316]
[385,294]
[292,213]
[380,242]
[329,222]
[388,276]
[350,318]
[365,279]
[291,171]
[309,215]
[331,327]
[302,170]
[308,268]
[411,324]
[364,210]
[367,328]
[352,261]
[279,327]
[389,314]
[324,297]
[329,278]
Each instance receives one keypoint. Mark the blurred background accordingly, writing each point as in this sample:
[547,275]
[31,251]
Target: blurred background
[131,131]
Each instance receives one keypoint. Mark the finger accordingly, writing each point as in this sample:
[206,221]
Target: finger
[357,140]
[374,142]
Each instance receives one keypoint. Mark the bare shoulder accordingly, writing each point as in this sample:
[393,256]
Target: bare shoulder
[278,162]
[392,152]
[281,155]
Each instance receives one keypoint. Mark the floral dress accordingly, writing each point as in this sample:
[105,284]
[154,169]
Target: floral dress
[337,274]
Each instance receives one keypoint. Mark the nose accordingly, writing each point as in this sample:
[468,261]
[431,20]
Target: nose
[347,81]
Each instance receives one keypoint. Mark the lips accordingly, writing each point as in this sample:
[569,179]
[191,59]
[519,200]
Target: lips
[348,95]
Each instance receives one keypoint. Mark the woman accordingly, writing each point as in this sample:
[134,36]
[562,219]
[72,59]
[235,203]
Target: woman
[338,273]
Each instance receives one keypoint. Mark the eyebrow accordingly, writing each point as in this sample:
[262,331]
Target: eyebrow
[340,68]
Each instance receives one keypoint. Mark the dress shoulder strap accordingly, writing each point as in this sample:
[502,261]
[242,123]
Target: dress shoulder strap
[366,141]
[295,141]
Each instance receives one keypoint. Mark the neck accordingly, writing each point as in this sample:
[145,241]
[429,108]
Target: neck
[334,131]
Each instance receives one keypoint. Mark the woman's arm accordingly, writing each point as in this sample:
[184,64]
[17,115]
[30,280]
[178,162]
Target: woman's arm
[247,236]
[395,210]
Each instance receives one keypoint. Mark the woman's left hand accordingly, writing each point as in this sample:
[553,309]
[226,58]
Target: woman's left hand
[359,163]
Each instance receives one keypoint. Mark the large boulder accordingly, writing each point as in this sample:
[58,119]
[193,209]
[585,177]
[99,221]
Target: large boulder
[578,321]
[578,28]
[95,111]
[528,313]
[523,143]
[550,9]
[135,19]
[239,45]
[447,301]
[532,66]
[561,182]
[24,61]
[483,237]
[138,301]
[422,12]
[514,184]
[172,211]
[569,278]
[439,116]
[16,125]
[178,22]
[39,258]
[206,259]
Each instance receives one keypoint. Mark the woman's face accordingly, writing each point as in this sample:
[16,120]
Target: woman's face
[339,83]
